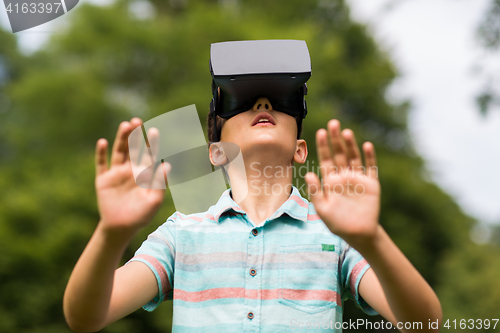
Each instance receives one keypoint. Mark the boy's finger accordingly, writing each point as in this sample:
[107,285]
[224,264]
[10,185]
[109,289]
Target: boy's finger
[159,179]
[101,159]
[131,148]
[166,167]
[326,164]
[120,146]
[314,188]
[353,154]
[135,144]
[338,145]
[370,160]
[136,121]
[151,153]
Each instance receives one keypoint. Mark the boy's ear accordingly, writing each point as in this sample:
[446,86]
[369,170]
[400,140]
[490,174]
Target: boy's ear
[217,154]
[300,155]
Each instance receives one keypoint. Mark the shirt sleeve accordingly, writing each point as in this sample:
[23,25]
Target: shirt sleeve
[158,253]
[353,266]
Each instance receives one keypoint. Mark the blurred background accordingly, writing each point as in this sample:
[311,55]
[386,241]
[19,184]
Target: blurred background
[420,79]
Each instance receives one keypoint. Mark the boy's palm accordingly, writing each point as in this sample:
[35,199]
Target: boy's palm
[123,205]
[349,205]
[348,198]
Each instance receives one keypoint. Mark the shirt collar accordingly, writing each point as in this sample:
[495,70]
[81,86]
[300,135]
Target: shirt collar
[295,206]
[226,204]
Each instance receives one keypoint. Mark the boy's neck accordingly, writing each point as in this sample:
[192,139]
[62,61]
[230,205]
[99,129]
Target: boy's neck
[268,187]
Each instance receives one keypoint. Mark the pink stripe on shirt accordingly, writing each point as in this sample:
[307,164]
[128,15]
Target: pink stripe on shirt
[299,201]
[313,217]
[165,283]
[265,294]
[355,273]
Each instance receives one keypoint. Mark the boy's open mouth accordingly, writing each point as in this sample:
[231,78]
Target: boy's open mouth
[263,119]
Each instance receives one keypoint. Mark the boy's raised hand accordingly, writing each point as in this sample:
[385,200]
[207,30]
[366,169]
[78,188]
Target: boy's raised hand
[348,198]
[124,207]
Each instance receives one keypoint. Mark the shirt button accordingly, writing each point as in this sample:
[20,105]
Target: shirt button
[250,315]
[255,232]
[253,272]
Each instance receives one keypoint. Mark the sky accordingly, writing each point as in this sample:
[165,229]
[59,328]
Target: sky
[433,44]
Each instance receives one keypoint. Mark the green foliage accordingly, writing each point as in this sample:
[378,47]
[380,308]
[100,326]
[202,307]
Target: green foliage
[489,37]
[470,277]
[109,66]
[489,29]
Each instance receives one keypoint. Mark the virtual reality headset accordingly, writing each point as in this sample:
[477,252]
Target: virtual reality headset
[244,71]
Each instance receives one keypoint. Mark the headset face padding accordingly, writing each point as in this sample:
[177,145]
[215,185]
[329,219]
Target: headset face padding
[240,94]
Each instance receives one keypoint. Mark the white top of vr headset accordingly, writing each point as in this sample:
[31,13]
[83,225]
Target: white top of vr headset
[260,57]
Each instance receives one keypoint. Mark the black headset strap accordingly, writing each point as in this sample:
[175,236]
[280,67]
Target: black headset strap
[303,93]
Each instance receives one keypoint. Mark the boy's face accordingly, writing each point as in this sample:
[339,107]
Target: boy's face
[263,130]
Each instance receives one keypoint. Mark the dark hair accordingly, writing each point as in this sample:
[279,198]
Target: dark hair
[220,122]
[210,127]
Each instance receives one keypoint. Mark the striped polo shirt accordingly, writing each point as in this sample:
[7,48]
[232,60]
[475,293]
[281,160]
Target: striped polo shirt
[225,274]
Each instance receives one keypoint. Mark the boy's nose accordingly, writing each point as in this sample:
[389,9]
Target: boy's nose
[262,104]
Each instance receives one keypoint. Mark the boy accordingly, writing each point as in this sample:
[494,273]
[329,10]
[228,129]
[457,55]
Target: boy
[272,263]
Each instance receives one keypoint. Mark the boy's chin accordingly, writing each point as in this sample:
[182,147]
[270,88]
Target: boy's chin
[266,143]
[265,139]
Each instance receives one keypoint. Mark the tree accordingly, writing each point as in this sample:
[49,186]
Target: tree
[489,36]
[118,61]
